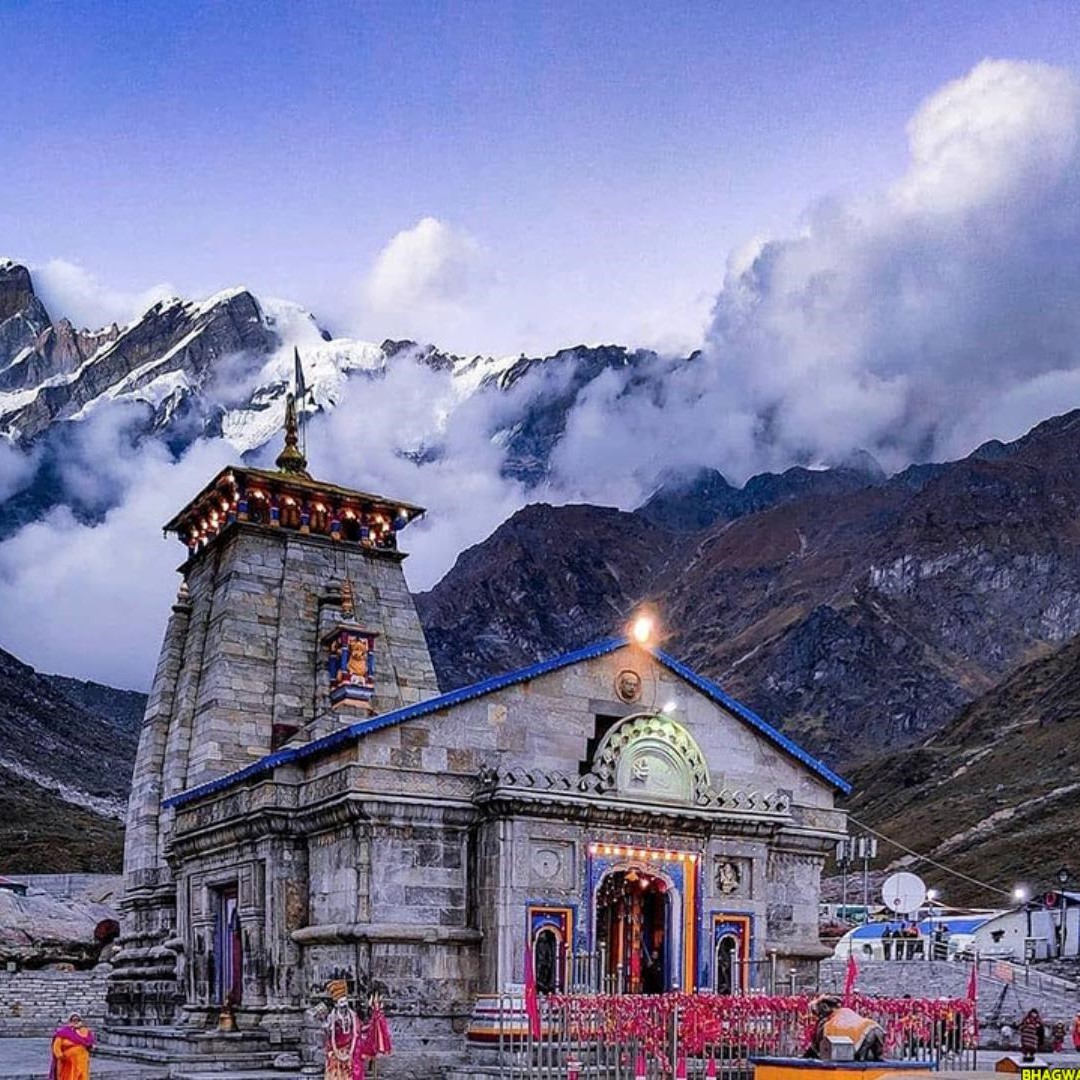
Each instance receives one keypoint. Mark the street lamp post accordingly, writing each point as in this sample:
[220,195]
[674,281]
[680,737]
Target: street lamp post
[1063,876]
[933,937]
[866,849]
[843,860]
[1020,895]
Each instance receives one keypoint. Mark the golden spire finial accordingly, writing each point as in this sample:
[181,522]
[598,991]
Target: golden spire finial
[291,460]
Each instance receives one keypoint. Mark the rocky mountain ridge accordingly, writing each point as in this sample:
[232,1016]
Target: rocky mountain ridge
[68,748]
[994,794]
[864,621]
[860,620]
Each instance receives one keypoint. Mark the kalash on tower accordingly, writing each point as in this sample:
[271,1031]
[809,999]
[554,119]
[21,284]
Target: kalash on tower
[307,807]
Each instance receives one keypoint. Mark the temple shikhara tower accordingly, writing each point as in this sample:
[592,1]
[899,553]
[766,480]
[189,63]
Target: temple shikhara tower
[307,808]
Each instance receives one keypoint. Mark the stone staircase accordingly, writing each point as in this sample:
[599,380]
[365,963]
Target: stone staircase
[183,1054]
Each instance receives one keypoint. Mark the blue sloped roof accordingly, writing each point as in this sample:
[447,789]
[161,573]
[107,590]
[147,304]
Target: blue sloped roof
[499,682]
[967,925]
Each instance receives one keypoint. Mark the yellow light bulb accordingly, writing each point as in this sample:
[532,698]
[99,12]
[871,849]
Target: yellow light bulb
[642,629]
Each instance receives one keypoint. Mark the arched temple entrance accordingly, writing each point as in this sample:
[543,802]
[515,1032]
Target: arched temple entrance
[727,958]
[635,931]
[546,960]
[731,933]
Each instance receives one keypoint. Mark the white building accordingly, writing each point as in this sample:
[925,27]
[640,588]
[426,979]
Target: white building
[1041,930]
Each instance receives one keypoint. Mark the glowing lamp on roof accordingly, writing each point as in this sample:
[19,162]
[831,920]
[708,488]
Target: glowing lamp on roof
[642,629]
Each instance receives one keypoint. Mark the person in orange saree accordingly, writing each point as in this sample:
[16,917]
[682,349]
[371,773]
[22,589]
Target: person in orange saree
[71,1046]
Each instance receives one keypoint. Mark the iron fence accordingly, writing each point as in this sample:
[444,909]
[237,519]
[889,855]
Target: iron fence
[1004,970]
[642,1037]
[590,973]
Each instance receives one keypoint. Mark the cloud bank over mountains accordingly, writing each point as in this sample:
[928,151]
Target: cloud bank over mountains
[914,322]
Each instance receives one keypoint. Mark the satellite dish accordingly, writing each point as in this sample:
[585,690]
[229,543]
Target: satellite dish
[903,893]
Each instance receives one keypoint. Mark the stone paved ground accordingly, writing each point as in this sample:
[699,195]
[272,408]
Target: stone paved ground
[28,1059]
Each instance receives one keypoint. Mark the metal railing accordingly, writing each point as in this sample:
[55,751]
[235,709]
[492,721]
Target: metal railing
[1008,971]
[627,1037]
[589,973]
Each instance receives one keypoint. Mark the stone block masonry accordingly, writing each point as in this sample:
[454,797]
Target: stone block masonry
[33,1003]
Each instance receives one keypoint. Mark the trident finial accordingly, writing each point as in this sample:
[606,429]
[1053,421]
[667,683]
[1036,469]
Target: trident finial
[291,460]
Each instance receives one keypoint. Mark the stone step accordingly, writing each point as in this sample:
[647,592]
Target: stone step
[262,1074]
[132,1057]
[144,1073]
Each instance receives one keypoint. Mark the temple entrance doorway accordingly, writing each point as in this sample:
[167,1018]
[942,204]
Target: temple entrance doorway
[226,976]
[727,953]
[634,932]
[731,935]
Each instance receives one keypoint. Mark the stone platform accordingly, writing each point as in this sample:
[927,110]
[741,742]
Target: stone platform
[28,1059]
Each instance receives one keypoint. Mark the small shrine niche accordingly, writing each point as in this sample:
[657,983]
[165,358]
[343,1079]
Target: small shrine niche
[351,666]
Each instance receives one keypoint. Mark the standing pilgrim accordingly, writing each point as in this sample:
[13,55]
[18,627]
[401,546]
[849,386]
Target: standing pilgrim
[71,1046]
[349,1041]
[1031,1034]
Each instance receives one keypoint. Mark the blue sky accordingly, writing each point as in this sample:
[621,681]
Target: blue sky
[590,165]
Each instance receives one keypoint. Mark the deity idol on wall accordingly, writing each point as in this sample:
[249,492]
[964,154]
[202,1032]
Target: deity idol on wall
[351,666]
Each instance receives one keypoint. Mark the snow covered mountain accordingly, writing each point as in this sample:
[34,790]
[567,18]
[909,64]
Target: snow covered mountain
[220,368]
[220,365]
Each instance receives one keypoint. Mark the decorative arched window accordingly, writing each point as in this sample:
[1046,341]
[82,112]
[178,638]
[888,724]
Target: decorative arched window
[652,757]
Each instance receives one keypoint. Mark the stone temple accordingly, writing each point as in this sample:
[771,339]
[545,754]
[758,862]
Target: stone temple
[307,806]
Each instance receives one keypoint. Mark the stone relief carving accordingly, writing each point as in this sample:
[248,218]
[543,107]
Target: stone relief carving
[551,864]
[546,863]
[602,782]
[651,770]
[628,685]
[655,757]
[728,877]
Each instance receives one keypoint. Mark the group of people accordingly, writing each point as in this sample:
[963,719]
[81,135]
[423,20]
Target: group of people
[1034,1039]
[901,941]
[351,1041]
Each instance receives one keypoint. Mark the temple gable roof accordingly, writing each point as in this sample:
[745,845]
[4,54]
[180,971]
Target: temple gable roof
[710,689]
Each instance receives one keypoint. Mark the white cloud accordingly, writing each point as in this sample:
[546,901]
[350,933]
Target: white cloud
[371,439]
[16,469]
[70,291]
[433,271]
[107,585]
[915,324]
[997,133]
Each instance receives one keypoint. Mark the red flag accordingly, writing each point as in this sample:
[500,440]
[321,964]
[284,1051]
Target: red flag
[640,1069]
[680,1068]
[380,1034]
[710,1071]
[532,1003]
[973,997]
[851,975]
